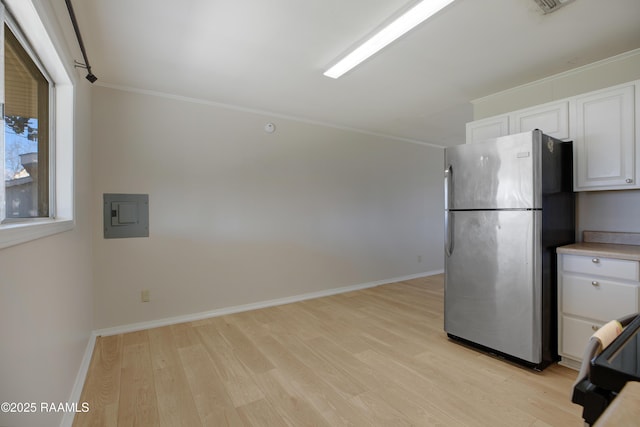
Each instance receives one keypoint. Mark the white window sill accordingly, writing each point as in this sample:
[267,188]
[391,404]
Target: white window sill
[16,233]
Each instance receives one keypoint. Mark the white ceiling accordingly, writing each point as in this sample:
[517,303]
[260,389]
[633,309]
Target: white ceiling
[270,55]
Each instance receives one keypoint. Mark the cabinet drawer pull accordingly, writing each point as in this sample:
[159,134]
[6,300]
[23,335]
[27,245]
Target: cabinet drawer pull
[594,327]
[629,180]
[595,260]
[594,283]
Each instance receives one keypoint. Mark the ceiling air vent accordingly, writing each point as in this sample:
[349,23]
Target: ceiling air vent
[549,6]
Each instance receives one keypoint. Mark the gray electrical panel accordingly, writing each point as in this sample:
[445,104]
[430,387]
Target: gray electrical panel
[126,215]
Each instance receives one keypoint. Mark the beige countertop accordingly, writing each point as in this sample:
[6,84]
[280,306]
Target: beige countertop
[607,250]
[624,410]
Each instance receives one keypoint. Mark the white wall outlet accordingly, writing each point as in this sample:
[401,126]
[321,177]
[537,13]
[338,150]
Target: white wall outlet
[145,295]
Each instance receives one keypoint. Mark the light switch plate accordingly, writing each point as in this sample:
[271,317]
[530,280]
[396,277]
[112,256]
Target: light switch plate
[126,215]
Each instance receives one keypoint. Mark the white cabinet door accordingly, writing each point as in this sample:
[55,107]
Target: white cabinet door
[492,127]
[604,142]
[552,119]
[576,334]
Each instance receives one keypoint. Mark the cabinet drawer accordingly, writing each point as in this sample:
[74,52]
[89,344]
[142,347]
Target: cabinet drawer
[610,267]
[575,336]
[597,299]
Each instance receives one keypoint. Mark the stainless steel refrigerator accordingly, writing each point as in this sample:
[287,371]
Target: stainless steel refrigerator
[508,204]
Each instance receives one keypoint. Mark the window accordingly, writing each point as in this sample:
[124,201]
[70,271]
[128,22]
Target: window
[36,142]
[26,133]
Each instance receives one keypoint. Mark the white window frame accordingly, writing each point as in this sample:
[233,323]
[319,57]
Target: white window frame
[25,14]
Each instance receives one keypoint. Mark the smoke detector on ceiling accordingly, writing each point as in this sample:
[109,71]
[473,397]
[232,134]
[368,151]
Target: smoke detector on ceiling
[549,6]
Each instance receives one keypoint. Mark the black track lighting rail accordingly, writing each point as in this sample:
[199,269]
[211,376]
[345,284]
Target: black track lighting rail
[84,65]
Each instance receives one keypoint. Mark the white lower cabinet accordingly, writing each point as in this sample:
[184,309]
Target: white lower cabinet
[591,292]
[575,336]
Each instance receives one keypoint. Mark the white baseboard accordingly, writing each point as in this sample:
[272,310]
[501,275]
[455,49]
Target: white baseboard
[76,391]
[133,327]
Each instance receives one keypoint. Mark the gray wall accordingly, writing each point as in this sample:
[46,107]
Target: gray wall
[240,216]
[609,72]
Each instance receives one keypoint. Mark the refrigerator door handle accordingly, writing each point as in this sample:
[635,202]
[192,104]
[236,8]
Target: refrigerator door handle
[448,227]
[448,218]
[448,188]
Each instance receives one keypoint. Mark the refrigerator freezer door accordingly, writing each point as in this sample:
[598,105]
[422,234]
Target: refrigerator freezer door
[496,174]
[492,284]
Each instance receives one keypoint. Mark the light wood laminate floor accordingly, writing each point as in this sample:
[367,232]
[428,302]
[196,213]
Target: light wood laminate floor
[375,357]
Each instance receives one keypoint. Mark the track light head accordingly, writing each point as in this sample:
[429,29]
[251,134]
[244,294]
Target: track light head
[89,76]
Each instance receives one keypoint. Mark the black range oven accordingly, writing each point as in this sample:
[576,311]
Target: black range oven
[609,372]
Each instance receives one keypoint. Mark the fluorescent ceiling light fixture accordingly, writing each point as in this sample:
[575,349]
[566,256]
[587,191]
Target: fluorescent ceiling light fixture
[414,16]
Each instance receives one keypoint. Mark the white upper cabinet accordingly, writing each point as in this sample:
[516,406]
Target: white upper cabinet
[552,119]
[491,127]
[603,133]
[604,126]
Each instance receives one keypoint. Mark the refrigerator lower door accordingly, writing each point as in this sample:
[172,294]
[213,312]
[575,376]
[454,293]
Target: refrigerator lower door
[492,285]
